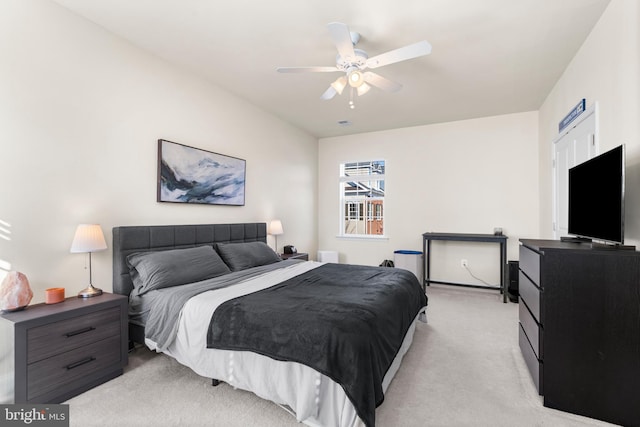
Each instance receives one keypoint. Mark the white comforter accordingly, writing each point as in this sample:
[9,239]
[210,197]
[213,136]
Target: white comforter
[313,398]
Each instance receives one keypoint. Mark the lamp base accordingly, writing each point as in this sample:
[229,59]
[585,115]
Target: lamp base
[89,292]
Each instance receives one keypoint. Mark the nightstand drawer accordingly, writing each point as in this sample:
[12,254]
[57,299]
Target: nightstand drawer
[71,369]
[59,337]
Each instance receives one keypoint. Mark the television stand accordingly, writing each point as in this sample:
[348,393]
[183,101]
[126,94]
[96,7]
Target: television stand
[572,239]
[613,246]
[579,329]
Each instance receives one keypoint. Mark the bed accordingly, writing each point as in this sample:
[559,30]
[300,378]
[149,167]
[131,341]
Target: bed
[321,340]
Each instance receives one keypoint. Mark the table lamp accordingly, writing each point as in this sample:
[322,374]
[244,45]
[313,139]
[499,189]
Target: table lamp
[275,229]
[88,239]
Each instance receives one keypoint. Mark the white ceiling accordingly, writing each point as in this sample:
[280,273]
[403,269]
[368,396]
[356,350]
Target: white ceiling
[489,57]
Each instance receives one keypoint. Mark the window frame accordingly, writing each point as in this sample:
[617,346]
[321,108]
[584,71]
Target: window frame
[367,208]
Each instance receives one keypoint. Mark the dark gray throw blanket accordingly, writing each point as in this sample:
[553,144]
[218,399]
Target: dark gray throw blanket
[345,321]
[166,304]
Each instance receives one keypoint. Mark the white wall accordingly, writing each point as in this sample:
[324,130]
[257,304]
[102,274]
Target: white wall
[461,177]
[80,113]
[606,70]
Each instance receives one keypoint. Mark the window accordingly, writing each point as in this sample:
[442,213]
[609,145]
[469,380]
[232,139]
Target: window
[362,198]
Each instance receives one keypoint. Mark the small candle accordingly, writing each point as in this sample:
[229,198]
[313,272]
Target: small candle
[53,295]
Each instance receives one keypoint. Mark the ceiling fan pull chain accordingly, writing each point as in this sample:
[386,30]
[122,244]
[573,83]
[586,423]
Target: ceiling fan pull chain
[351,104]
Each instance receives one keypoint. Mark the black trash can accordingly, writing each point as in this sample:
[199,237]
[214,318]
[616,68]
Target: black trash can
[513,289]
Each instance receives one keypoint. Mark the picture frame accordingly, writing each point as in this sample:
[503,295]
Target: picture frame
[193,175]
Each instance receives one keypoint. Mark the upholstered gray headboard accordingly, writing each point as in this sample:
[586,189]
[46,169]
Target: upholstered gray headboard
[130,239]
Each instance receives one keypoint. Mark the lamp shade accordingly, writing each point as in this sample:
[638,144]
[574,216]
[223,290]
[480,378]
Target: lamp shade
[275,227]
[88,238]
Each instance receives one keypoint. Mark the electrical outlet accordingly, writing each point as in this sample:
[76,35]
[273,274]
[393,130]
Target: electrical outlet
[464,263]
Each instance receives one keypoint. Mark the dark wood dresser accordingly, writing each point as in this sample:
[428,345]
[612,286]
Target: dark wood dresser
[579,328]
[54,352]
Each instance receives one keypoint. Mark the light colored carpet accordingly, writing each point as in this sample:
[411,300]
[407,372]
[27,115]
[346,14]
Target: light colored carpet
[464,369]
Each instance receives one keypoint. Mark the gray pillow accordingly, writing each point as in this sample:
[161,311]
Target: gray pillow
[240,256]
[162,269]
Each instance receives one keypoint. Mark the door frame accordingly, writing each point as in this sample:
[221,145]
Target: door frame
[590,113]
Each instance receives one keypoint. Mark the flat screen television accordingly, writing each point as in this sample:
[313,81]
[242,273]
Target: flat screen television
[596,197]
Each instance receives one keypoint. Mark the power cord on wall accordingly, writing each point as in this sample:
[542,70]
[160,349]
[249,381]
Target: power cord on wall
[474,276]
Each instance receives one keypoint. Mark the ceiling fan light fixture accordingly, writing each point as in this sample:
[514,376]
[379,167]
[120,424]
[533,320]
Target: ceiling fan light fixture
[363,88]
[356,78]
[354,62]
[339,84]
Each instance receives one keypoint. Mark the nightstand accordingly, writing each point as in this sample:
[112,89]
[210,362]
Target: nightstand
[50,353]
[300,255]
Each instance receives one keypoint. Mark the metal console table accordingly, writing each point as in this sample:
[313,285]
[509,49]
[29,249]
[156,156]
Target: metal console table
[459,237]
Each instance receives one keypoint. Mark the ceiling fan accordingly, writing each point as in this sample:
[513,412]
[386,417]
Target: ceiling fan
[353,63]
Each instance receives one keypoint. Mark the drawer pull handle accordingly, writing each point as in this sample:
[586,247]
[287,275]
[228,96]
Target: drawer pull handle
[79,331]
[81,362]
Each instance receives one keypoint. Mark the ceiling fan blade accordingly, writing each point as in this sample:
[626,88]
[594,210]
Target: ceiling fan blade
[306,69]
[342,39]
[401,54]
[381,82]
[329,93]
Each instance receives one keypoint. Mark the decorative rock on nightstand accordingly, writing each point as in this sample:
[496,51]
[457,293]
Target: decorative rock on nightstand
[15,292]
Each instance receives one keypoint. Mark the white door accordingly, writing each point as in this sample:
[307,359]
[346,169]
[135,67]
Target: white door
[572,147]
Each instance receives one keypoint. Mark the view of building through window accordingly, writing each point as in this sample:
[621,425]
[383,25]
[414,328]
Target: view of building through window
[362,198]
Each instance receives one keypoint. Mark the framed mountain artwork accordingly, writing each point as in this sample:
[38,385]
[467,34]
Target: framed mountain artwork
[192,175]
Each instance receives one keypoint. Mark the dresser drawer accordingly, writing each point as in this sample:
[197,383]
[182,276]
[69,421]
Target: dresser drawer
[59,337]
[72,368]
[530,264]
[530,293]
[531,329]
[533,364]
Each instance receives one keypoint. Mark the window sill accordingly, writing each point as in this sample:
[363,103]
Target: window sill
[361,237]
